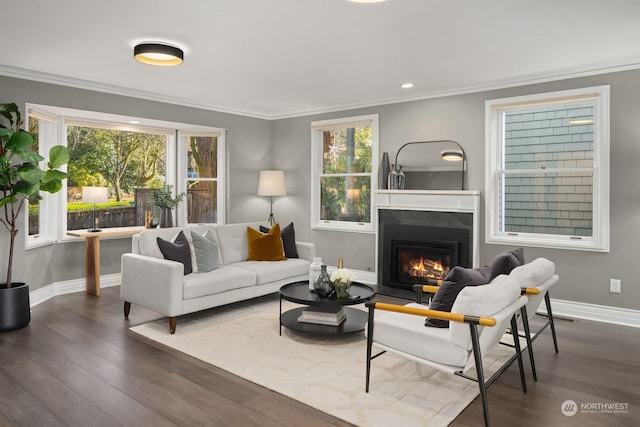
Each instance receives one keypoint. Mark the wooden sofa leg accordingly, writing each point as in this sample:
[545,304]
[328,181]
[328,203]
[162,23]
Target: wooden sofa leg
[127,309]
[172,325]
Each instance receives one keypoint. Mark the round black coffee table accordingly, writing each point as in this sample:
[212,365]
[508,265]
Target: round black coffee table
[298,292]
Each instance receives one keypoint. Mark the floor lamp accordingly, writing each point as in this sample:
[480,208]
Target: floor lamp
[95,195]
[270,184]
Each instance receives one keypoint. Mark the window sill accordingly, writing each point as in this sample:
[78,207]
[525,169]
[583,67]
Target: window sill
[349,228]
[38,242]
[560,243]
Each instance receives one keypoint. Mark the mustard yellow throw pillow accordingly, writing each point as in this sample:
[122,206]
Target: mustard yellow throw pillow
[265,247]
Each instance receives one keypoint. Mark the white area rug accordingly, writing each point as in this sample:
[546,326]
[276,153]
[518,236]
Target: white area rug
[323,372]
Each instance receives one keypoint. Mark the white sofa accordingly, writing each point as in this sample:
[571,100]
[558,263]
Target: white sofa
[158,284]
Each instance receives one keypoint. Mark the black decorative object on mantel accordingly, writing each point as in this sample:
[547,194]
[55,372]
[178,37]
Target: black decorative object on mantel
[385,168]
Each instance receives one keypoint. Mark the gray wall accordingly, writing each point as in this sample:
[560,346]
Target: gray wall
[254,144]
[248,151]
[584,275]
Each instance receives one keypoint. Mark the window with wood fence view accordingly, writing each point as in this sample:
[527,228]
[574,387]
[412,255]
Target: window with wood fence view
[130,164]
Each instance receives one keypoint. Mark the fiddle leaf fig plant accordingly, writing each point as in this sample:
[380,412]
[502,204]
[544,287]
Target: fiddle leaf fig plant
[21,178]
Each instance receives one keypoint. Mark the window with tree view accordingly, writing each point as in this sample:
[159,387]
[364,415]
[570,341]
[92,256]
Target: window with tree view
[344,153]
[202,178]
[129,163]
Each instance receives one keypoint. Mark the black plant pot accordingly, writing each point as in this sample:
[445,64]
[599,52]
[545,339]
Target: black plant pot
[166,218]
[15,311]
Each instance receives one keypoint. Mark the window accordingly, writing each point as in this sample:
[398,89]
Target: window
[130,159]
[203,187]
[343,173]
[130,162]
[547,180]
[43,128]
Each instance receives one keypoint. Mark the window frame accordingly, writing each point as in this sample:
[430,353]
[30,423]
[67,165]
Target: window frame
[53,211]
[494,138]
[317,128]
[182,157]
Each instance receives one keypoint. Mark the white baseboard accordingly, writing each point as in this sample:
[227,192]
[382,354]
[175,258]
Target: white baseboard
[594,312]
[561,308]
[44,293]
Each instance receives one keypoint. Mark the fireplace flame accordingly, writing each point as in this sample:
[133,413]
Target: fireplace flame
[426,269]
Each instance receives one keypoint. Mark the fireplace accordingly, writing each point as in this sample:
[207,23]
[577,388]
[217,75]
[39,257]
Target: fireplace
[415,262]
[414,246]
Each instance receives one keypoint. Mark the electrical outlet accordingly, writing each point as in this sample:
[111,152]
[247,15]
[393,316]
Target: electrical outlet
[615,286]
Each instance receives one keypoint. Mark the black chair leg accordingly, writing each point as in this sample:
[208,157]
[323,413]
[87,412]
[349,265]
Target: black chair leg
[527,334]
[516,344]
[547,301]
[479,372]
[369,345]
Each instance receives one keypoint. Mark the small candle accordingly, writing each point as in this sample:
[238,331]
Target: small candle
[340,262]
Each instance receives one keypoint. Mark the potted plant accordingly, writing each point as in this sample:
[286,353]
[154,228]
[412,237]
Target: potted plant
[21,180]
[163,198]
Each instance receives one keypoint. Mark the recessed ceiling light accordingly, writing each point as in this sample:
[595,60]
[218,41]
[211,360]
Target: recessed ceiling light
[406,85]
[367,1]
[134,122]
[158,54]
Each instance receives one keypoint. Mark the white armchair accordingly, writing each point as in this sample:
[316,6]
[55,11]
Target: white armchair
[478,320]
[536,278]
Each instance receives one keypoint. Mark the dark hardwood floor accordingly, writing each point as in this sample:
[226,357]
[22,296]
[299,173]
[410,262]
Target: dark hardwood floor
[77,364]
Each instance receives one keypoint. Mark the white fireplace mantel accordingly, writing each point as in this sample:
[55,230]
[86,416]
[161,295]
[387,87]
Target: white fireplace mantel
[434,200]
[430,200]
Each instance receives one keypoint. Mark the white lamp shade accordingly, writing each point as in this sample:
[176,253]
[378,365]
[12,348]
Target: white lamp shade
[95,195]
[271,183]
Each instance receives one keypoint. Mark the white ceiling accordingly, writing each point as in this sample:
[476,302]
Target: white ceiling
[280,58]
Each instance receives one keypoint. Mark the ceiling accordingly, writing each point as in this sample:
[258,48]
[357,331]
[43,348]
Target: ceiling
[282,58]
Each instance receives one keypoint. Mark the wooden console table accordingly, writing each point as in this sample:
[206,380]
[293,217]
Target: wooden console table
[92,247]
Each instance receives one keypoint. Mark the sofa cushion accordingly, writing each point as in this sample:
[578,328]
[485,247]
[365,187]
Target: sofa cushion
[455,280]
[504,262]
[288,240]
[232,239]
[222,279]
[265,247]
[407,333]
[177,251]
[271,271]
[206,251]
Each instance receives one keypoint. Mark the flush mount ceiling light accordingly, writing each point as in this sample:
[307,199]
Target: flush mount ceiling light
[158,54]
[406,85]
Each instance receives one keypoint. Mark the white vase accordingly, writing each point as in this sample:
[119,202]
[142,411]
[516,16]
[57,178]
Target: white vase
[314,270]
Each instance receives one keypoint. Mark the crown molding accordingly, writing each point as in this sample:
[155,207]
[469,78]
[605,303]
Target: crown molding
[38,76]
[594,69]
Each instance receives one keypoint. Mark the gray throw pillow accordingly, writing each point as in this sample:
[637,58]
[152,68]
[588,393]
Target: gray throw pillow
[177,251]
[455,280]
[206,250]
[504,262]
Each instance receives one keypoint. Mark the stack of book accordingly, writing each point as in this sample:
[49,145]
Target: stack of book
[332,316]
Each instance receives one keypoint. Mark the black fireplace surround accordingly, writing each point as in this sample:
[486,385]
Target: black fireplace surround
[445,237]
